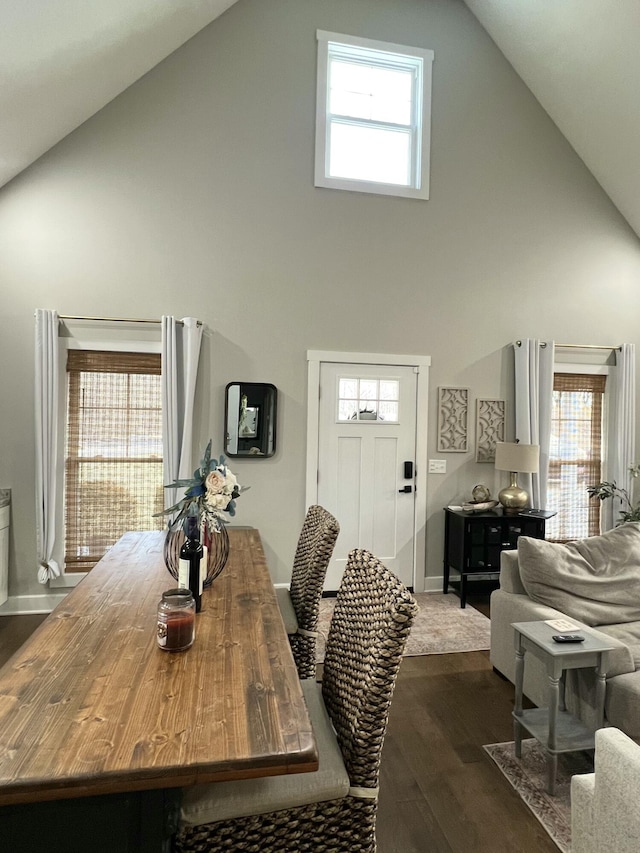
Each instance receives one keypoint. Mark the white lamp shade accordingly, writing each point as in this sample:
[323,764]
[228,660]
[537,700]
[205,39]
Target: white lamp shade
[521,458]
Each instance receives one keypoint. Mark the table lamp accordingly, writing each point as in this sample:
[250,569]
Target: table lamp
[515,458]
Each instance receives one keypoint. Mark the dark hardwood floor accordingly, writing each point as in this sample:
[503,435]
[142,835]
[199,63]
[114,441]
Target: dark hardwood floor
[439,791]
[14,630]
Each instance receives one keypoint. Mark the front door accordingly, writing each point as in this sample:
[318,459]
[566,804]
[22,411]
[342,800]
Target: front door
[366,462]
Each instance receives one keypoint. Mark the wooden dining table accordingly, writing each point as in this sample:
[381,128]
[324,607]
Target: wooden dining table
[92,711]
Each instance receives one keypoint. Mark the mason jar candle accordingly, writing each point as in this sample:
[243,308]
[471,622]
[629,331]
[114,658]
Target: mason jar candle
[176,620]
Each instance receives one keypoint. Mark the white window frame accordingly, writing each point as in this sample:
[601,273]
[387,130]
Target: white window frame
[419,58]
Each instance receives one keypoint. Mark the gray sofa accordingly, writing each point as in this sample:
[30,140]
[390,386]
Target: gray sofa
[598,819]
[594,582]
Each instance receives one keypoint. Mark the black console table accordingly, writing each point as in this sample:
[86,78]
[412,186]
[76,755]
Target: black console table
[473,543]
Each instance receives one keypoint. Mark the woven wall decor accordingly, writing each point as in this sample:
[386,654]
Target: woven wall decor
[490,418]
[453,417]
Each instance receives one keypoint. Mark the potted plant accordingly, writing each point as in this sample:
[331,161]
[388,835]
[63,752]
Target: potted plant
[605,490]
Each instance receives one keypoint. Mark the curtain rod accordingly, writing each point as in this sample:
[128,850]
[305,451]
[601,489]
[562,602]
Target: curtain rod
[577,346]
[114,319]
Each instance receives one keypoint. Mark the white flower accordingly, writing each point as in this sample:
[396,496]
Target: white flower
[215,482]
[217,501]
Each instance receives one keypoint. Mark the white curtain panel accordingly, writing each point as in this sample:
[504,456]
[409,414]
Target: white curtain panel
[46,416]
[180,355]
[622,430]
[534,401]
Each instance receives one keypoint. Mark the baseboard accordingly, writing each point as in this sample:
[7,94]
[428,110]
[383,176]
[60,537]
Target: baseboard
[23,605]
[433,584]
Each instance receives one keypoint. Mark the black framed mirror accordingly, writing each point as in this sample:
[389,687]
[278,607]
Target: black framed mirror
[250,411]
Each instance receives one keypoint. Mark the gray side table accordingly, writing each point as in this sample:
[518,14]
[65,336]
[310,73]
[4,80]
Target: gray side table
[554,727]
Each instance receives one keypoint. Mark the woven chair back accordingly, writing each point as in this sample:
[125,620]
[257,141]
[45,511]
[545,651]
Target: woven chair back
[371,621]
[313,553]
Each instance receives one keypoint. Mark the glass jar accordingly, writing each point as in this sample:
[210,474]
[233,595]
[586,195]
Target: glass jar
[176,620]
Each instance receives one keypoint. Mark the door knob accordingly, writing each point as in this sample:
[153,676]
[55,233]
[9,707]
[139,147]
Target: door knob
[405,489]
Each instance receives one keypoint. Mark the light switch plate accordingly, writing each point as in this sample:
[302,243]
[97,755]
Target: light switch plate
[437,466]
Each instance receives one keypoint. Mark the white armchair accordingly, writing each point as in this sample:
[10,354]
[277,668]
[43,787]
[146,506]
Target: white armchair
[604,812]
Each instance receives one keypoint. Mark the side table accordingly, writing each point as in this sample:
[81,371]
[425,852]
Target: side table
[555,728]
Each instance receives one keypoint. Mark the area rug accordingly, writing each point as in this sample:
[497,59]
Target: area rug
[440,627]
[528,776]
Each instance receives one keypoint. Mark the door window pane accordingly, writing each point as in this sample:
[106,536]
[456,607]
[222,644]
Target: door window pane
[368,400]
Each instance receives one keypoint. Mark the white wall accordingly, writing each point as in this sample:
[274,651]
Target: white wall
[192,194]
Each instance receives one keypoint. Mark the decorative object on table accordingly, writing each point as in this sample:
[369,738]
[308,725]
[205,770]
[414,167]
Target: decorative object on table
[490,418]
[210,493]
[479,506]
[605,490]
[453,412]
[176,620]
[481,502]
[480,493]
[515,458]
[192,566]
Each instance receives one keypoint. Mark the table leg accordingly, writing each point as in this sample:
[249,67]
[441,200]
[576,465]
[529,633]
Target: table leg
[517,710]
[552,772]
[463,589]
[552,755]
[601,683]
[445,565]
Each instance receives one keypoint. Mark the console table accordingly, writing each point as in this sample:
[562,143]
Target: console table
[473,543]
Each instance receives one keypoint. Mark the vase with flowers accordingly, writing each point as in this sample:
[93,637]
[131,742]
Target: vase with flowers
[211,493]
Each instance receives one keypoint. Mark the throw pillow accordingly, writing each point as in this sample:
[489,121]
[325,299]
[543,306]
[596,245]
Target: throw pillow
[594,580]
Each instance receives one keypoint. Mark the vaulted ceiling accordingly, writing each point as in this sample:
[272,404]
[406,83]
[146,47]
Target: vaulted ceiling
[62,61]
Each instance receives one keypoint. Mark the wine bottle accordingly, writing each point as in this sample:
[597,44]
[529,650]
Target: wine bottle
[191,555]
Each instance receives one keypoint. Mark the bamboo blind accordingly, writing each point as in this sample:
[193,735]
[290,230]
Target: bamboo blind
[576,455]
[113,460]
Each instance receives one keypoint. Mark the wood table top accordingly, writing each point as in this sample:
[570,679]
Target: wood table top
[90,704]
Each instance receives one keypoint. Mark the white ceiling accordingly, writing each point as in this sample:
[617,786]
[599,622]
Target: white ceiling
[62,61]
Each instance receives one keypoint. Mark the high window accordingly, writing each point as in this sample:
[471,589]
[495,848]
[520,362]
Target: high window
[373,116]
[575,455]
[113,457]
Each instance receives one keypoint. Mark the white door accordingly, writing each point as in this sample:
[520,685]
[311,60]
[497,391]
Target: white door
[366,462]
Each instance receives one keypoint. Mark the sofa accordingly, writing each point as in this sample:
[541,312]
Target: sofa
[595,583]
[599,820]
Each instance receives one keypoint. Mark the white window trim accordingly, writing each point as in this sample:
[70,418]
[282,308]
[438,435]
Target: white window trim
[68,580]
[420,189]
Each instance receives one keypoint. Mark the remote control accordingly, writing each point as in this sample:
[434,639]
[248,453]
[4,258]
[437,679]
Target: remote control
[567,638]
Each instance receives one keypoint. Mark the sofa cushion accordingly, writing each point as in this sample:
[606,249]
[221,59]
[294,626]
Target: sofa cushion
[629,634]
[595,580]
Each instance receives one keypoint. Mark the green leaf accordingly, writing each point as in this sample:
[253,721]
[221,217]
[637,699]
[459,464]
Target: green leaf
[179,484]
[204,465]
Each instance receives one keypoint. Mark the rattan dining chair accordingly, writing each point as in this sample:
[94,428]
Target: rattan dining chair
[335,808]
[300,603]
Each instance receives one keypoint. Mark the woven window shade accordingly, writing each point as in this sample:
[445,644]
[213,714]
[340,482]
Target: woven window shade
[113,465]
[576,455]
